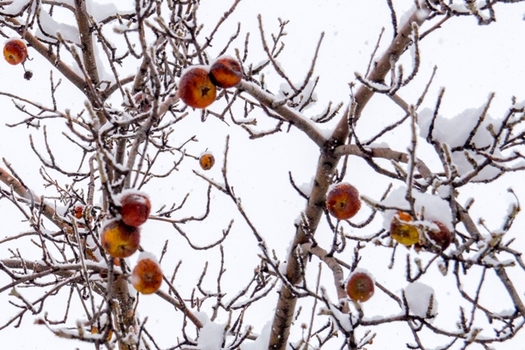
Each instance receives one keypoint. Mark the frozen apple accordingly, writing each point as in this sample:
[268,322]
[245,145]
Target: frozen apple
[196,88]
[360,286]
[342,201]
[206,161]
[403,230]
[15,51]
[147,275]
[440,236]
[135,208]
[78,211]
[226,72]
[120,240]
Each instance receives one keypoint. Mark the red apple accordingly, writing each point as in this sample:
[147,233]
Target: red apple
[342,201]
[120,240]
[135,208]
[15,51]
[196,88]
[206,161]
[441,236]
[403,230]
[147,275]
[226,72]
[360,286]
[78,211]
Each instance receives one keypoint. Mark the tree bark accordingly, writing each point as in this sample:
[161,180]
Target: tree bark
[327,164]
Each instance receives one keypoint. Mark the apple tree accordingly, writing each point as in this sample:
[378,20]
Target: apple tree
[141,208]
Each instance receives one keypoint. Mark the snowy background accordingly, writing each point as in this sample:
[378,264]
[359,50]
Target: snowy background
[472,62]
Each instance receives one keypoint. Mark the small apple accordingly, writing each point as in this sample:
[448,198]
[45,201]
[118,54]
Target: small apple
[342,201]
[135,208]
[28,75]
[226,72]
[360,286]
[78,211]
[206,161]
[441,236]
[15,51]
[120,240]
[147,275]
[403,230]
[196,88]
[94,330]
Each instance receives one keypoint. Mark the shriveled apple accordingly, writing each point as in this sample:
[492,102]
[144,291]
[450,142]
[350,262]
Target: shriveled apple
[440,236]
[206,161]
[147,275]
[226,72]
[120,240]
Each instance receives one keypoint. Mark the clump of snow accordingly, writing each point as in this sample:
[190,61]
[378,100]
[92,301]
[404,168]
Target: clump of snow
[262,341]
[420,299]
[405,16]
[147,255]
[519,105]
[101,11]
[422,14]
[227,57]
[211,336]
[432,207]
[306,96]
[49,29]
[15,7]
[103,67]
[141,196]
[306,187]
[361,270]
[200,66]
[344,320]
[283,266]
[456,131]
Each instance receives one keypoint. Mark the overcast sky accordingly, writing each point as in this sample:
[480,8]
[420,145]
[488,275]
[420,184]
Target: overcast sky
[472,62]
